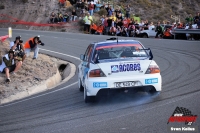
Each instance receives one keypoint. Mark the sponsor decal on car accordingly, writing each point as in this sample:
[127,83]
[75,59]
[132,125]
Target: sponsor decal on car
[99,84]
[151,81]
[125,68]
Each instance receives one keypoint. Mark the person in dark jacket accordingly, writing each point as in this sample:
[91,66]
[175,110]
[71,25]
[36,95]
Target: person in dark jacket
[158,30]
[18,47]
[32,45]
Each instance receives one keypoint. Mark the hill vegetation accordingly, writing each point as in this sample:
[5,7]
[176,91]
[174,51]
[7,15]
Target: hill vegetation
[161,10]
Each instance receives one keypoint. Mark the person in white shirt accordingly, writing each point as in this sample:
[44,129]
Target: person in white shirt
[9,65]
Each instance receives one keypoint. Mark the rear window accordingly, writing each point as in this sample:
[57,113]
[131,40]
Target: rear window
[119,51]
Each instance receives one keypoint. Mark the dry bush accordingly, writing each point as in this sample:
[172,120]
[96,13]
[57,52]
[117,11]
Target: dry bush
[102,12]
[2,6]
[24,1]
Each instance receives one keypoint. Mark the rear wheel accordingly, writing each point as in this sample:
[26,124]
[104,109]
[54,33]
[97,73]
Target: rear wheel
[80,86]
[151,90]
[145,36]
[87,98]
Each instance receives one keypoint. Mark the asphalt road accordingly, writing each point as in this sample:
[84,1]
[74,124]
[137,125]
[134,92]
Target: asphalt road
[62,109]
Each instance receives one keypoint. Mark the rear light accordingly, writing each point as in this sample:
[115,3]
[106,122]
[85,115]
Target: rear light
[153,69]
[96,73]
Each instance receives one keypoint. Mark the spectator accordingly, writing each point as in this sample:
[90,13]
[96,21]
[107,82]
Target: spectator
[88,20]
[82,9]
[118,31]
[107,8]
[78,4]
[109,11]
[60,17]
[102,19]
[167,34]
[32,45]
[158,30]
[125,22]
[91,8]
[93,28]
[53,18]
[119,23]
[136,25]
[103,6]
[117,11]
[146,25]
[196,18]
[95,2]
[19,48]
[86,5]
[119,16]
[74,15]
[66,17]
[100,29]
[112,31]
[198,23]
[189,19]
[105,24]
[113,16]
[97,7]
[109,21]
[62,3]
[128,9]
[189,36]
[124,31]
[9,65]
[131,29]
[17,39]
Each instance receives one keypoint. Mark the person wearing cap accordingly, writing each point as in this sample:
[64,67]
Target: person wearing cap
[32,45]
[17,39]
[9,65]
[18,47]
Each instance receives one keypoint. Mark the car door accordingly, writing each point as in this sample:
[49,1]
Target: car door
[86,61]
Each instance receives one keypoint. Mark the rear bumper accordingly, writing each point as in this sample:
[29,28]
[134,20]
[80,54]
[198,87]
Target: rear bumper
[93,85]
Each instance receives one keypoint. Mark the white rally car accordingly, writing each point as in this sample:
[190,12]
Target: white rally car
[117,64]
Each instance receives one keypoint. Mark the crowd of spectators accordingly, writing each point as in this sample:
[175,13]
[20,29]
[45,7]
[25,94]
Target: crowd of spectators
[118,22]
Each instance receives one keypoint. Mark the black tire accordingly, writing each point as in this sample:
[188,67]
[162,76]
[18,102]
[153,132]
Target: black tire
[88,99]
[149,89]
[145,36]
[81,88]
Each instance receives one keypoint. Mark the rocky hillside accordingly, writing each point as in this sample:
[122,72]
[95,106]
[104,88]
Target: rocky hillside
[159,10]
[31,11]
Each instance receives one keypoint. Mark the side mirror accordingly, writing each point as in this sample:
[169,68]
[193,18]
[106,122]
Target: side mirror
[82,57]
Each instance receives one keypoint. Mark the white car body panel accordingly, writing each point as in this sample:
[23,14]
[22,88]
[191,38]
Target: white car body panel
[119,71]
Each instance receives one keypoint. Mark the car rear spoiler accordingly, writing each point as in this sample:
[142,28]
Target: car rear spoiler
[148,52]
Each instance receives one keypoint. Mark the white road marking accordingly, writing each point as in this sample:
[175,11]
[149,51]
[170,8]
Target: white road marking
[48,92]
[61,54]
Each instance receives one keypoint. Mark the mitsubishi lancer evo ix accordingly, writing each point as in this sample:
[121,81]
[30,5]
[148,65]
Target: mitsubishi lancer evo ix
[117,64]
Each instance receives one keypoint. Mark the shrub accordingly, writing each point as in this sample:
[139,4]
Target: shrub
[102,12]
[24,1]
[2,7]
